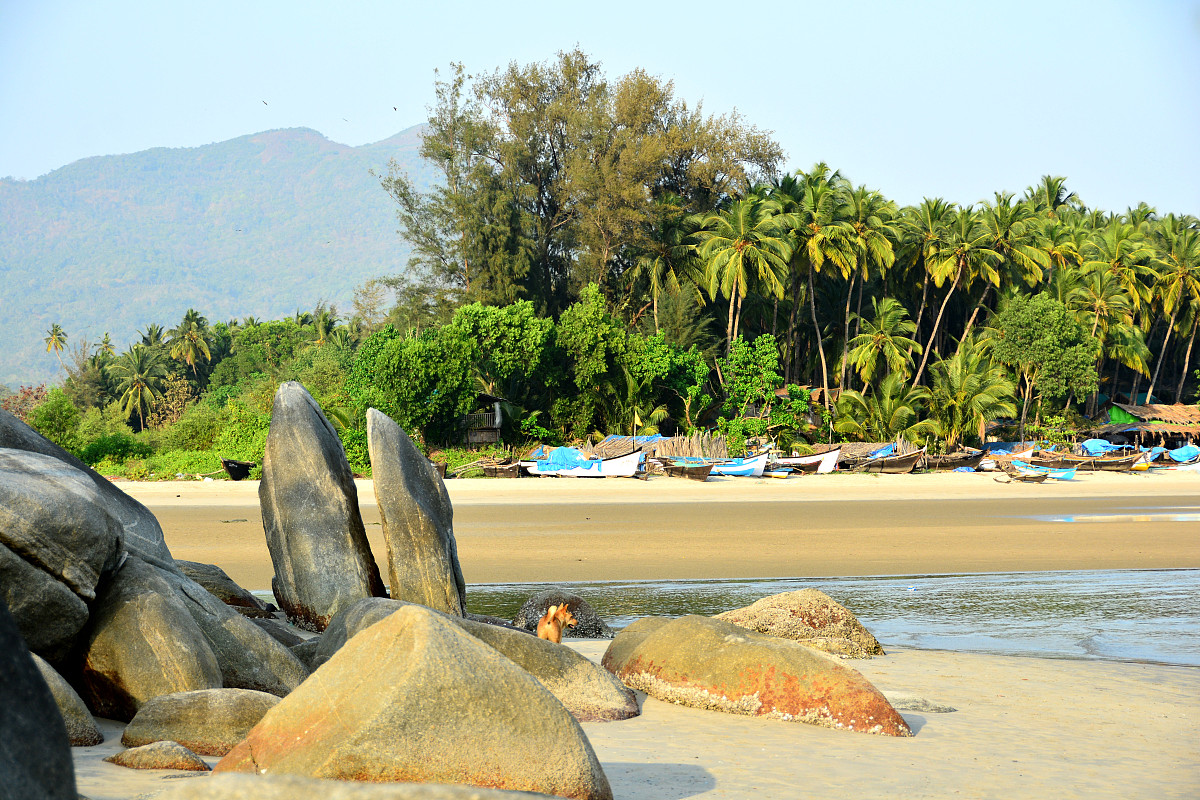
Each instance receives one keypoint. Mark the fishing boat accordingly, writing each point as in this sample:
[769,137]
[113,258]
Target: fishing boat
[742,467]
[1028,477]
[820,463]
[1087,463]
[502,470]
[955,460]
[892,465]
[695,472]
[574,465]
[777,473]
[1057,474]
[237,470]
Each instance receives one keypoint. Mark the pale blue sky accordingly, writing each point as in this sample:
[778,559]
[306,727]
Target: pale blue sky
[955,99]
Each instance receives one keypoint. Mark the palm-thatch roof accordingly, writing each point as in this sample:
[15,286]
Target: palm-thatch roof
[1177,413]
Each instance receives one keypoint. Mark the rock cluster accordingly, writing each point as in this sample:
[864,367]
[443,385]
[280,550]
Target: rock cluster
[160,755]
[809,616]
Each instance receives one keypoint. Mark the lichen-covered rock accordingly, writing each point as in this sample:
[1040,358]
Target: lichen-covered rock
[159,755]
[56,540]
[418,520]
[589,624]
[139,643]
[35,756]
[589,692]
[414,698]
[209,721]
[221,586]
[292,787]
[314,528]
[707,663]
[81,728]
[287,635]
[811,617]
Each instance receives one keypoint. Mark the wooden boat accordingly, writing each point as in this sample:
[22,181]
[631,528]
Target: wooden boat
[820,463]
[777,473]
[1057,474]
[892,465]
[237,470]
[695,472]
[502,470]
[1030,477]
[625,466]
[1087,463]
[954,460]
[742,467]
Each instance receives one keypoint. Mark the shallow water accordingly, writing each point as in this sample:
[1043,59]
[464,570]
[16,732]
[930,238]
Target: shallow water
[1114,615]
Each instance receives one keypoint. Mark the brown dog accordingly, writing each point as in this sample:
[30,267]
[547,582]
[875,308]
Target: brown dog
[550,627]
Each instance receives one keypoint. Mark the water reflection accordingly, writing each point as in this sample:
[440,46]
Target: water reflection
[1139,615]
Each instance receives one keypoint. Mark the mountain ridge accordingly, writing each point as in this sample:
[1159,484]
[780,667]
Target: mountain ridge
[259,225]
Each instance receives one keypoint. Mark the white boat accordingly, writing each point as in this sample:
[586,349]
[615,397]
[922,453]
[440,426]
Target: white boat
[742,467]
[625,466]
[821,463]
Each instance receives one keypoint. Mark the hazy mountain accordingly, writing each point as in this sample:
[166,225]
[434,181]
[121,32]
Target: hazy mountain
[260,225]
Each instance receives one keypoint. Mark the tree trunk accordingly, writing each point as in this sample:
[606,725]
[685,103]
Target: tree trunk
[812,307]
[729,323]
[858,313]
[846,330]
[975,313]
[774,321]
[1025,407]
[1187,357]
[793,339]
[1162,355]
[654,301]
[920,311]
[937,322]
[737,320]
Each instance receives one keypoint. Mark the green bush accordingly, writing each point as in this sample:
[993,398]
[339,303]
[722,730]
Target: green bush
[354,440]
[188,463]
[57,419]
[115,448]
[197,429]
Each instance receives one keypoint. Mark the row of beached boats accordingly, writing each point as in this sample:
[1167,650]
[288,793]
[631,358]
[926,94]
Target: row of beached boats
[1029,463]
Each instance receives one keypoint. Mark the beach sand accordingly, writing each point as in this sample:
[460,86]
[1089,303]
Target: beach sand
[1023,727]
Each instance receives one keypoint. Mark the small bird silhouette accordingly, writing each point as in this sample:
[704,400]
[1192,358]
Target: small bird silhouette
[345,120]
[393,108]
[264,102]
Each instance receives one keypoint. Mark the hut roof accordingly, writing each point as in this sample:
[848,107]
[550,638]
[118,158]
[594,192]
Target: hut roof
[1177,413]
[1168,428]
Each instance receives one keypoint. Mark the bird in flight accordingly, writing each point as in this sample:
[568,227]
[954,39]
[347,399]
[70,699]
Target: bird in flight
[393,108]
[264,102]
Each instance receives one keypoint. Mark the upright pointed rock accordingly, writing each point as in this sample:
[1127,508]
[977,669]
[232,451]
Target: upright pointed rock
[418,520]
[314,529]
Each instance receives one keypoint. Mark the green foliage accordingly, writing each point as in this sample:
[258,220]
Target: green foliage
[197,429]
[115,448]
[750,374]
[354,442]
[57,419]
[1055,429]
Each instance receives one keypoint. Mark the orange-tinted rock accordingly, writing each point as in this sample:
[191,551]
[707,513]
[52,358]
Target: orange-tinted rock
[706,663]
[159,755]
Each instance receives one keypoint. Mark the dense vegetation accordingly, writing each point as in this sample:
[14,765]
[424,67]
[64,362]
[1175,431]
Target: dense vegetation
[608,259]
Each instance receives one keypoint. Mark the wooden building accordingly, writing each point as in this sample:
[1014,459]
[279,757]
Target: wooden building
[1168,426]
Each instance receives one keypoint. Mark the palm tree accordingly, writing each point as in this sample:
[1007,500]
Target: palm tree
[140,377]
[1179,278]
[924,231]
[56,340]
[1119,249]
[1050,195]
[189,340]
[870,214]
[811,204]
[968,391]
[892,411]
[1015,236]
[669,255]
[741,244]
[153,335]
[965,253]
[884,338]
[106,346]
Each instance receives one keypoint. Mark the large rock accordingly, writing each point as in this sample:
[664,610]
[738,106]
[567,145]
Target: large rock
[589,624]
[287,635]
[291,787]
[141,534]
[314,529]
[81,728]
[589,692]
[221,586]
[414,698]
[56,540]
[418,520]
[209,721]
[159,755]
[706,663]
[809,616]
[141,643]
[35,756]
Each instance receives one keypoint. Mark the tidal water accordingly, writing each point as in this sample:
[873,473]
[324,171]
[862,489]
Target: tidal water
[1115,615]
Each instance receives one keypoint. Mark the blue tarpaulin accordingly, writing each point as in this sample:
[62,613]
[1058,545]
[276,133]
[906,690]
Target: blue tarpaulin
[883,451]
[566,458]
[1183,455]
[1098,447]
[1006,447]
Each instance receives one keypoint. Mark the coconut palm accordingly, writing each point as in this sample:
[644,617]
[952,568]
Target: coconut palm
[56,340]
[669,255]
[870,214]
[968,391]
[106,346]
[891,411]
[1049,196]
[1014,234]
[886,339]
[1118,248]
[923,231]
[739,245]
[1178,283]
[153,335]
[965,254]
[140,377]
[189,341]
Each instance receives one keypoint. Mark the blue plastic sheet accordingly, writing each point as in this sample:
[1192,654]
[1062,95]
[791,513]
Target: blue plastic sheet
[1098,447]
[1182,455]
[566,458]
[883,451]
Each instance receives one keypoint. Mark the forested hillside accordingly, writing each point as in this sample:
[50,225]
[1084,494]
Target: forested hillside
[258,225]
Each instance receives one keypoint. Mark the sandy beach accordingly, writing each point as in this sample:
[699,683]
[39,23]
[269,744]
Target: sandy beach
[1022,727]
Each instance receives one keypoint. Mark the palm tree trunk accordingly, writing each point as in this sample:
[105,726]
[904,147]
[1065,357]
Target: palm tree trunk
[921,310]
[812,307]
[654,300]
[729,323]
[1187,357]
[775,320]
[936,323]
[975,313]
[1025,408]
[846,330]
[737,321]
[1162,355]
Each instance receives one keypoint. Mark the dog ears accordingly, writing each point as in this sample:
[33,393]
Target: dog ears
[551,611]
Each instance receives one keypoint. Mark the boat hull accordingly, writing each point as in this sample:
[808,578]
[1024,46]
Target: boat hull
[620,467]
[893,465]
[821,463]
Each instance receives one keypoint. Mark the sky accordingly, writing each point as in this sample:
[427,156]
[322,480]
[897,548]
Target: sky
[916,99]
